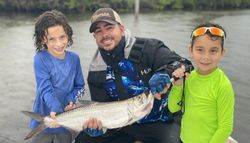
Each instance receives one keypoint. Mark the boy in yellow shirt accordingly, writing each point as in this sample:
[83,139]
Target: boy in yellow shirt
[206,96]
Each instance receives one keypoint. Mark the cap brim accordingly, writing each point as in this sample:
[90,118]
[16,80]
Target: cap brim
[93,25]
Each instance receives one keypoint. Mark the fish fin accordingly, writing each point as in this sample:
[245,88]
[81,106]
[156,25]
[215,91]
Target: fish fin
[35,131]
[39,128]
[33,115]
[130,122]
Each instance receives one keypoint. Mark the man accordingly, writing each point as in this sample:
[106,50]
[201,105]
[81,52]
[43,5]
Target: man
[123,67]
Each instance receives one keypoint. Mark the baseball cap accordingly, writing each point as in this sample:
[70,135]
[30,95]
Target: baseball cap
[106,15]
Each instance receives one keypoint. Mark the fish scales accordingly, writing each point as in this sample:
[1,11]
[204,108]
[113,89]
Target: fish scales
[112,115]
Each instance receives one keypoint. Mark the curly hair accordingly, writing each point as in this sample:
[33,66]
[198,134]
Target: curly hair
[46,20]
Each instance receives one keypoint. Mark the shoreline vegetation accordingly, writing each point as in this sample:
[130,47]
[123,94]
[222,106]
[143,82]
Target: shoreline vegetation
[76,6]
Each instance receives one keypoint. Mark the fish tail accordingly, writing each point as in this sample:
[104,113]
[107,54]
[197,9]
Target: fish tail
[35,131]
[39,128]
[33,115]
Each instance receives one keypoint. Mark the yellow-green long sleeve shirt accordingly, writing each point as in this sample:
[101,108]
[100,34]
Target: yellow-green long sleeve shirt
[209,107]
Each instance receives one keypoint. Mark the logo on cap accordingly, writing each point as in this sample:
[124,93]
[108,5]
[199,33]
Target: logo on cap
[94,17]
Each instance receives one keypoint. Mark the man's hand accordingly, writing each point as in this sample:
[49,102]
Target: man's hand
[159,83]
[93,128]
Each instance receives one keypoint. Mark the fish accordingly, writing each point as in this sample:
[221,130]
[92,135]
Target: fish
[112,115]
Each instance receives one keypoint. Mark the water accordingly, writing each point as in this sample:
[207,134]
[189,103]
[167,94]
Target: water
[17,86]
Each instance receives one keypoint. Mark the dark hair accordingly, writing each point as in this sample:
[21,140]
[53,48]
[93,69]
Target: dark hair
[46,20]
[209,34]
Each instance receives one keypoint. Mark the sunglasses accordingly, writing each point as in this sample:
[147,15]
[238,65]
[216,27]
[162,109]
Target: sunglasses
[203,30]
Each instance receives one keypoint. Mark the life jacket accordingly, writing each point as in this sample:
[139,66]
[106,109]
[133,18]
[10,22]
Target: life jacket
[160,110]
[135,56]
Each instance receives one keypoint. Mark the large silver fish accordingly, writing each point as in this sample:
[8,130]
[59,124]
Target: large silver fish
[112,114]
